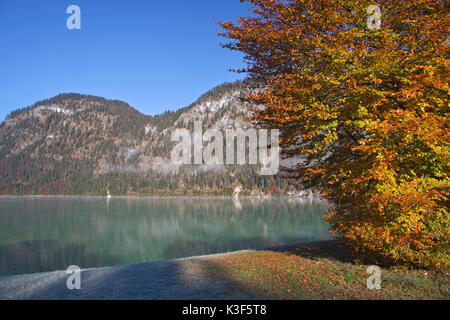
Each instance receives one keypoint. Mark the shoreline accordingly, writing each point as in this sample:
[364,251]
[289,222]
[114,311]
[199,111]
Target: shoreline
[203,256]
[52,284]
[323,270]
[316,197]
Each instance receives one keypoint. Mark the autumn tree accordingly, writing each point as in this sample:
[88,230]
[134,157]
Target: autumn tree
[368,107]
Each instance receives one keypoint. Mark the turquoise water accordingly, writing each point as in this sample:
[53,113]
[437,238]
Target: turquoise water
[51,233]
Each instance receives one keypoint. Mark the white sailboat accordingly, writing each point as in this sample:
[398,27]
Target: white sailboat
[108,195]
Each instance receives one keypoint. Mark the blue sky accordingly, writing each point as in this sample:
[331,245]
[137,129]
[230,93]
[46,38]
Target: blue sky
[155,55]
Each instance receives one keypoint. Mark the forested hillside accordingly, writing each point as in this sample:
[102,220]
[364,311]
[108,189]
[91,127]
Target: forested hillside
[86,145]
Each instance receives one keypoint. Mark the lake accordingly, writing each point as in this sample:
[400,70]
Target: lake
[40,234]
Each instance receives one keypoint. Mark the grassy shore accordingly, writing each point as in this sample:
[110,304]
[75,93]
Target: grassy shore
[324,270]
[321,270]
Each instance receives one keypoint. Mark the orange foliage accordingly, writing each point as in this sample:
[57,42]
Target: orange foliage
[369,108]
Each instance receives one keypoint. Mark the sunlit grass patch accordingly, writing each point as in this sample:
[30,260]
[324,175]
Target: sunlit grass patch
[321,271]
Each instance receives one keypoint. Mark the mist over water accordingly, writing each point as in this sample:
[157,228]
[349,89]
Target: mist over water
[40,234]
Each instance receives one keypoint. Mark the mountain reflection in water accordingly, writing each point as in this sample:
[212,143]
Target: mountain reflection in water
[51,233]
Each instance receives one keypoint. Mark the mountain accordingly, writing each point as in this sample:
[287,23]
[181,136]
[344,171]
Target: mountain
[87,145]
